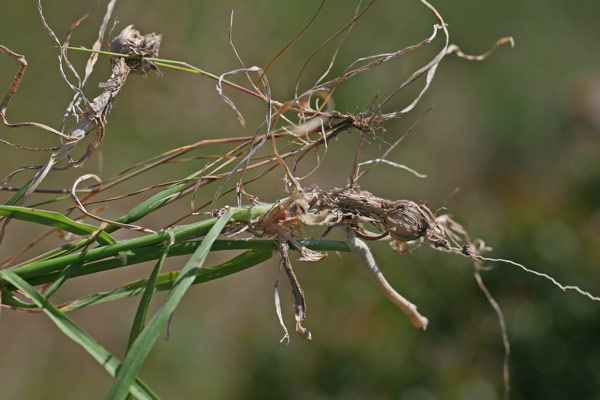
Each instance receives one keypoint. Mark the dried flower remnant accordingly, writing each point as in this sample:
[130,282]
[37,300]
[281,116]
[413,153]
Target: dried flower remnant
[403,221]
[129,42]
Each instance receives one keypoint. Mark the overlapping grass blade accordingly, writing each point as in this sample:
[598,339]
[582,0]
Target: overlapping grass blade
[61,278]
[56,220]
[139,211]
[181,233]
[17,196]
[150,253]
[140,316]
[143,343]
[78,335]
[165,281]
[150,204]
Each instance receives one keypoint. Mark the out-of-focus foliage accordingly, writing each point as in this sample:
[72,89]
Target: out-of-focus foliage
[518,133]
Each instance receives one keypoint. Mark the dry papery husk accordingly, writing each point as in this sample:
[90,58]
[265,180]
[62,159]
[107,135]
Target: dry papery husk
[403,221]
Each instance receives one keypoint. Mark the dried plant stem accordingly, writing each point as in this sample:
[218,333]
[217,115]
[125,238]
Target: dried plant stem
[129,40]
[81,207]
[501,320]
[298,293]
[564,288]
[11,91]
[362,251]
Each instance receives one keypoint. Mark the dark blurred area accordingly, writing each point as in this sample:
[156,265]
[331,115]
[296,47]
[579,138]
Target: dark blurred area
[511,150]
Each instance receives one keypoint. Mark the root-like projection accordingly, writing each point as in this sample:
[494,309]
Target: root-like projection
[406,223]
[403,221]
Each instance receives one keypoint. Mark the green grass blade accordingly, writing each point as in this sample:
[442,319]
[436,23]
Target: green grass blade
[165,281]
[17,196]
[151,253]
[173,64]
[181,233]
[136,213]
[140,316]
[146,207]
[49,201]
[150,204]
[139,320]
[144,342]
[141,210]
[9,299]
[56,220]
[129,257]
[75,333]
[60,279]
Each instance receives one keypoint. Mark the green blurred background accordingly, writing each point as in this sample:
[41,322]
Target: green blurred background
[518,134]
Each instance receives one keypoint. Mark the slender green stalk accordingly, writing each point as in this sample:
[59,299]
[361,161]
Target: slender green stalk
[17,196]
[181,233]
[140,316]
[62,278]
[173,64]
[136,213]
[165,281]
[56,220]
[144,254]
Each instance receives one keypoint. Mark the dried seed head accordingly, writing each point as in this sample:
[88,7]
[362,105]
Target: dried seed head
[131,42]
[410,221]
[405,222]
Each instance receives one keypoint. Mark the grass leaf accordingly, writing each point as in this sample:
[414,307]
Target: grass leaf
[61,278]
[143,343]
[150,204]
[165,281]
[75,333]
[151,253]
[142,311]
[139,211]
[56,220]
[17,196]
[140,316]
[181,233]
